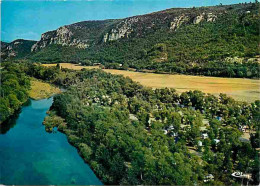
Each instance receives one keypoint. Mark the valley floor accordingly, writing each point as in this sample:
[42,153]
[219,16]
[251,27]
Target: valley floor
[238,88]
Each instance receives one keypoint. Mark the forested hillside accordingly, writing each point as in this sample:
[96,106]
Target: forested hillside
[19,48]
[219,48]
[213,41]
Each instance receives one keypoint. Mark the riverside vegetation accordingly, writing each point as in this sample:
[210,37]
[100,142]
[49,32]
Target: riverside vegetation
[13,90]
[16,88]
[130,134]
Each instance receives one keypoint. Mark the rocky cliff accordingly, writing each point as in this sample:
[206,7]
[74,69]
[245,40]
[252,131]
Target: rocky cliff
[80,35]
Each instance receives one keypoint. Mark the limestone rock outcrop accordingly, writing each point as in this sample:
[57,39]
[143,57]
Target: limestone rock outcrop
[62,36]
[178,21]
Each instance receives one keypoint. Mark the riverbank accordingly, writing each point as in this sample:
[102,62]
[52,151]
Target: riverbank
[52,120]
[105,113]
[40,90]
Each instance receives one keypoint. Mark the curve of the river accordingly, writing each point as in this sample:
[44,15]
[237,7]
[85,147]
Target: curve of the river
[31,156]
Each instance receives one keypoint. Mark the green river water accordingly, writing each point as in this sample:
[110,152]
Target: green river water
[31,156]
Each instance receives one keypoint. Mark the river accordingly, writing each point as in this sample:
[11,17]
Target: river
[31,156]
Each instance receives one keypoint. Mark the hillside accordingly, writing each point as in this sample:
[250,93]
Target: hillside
[214,41]
[16,49]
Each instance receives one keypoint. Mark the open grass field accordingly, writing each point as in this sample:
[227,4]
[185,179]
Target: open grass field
[41,90]
[238,88]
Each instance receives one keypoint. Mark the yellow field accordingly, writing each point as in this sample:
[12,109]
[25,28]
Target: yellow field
[41,90]
[238,88]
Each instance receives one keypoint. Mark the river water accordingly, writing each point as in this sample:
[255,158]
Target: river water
[31,156]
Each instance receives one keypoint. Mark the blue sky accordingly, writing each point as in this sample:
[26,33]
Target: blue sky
[29,19]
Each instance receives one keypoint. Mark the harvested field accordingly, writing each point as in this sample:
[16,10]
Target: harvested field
[238,88]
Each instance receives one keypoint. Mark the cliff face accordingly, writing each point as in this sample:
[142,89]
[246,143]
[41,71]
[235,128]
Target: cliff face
[17,48]
[61,36]
[80,35]
[88,33]
[120,30]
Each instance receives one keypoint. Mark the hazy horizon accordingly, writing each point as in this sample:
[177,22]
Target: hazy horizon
[29,19]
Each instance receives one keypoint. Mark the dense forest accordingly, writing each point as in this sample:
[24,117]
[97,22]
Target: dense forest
[130,134]
[13,90]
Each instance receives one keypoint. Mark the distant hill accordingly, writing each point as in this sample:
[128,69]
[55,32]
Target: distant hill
[16,49]
[184,40]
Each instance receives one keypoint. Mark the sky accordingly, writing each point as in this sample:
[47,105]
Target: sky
[29,19]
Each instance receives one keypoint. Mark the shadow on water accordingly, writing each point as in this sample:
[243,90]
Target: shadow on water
[11,122]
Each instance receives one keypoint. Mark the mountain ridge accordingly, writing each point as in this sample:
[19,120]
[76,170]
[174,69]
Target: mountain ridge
[64,33]
[122,28]
[198,41]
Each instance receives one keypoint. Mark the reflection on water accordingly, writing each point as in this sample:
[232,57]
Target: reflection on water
[7,125]
[29,155]
[11,122]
